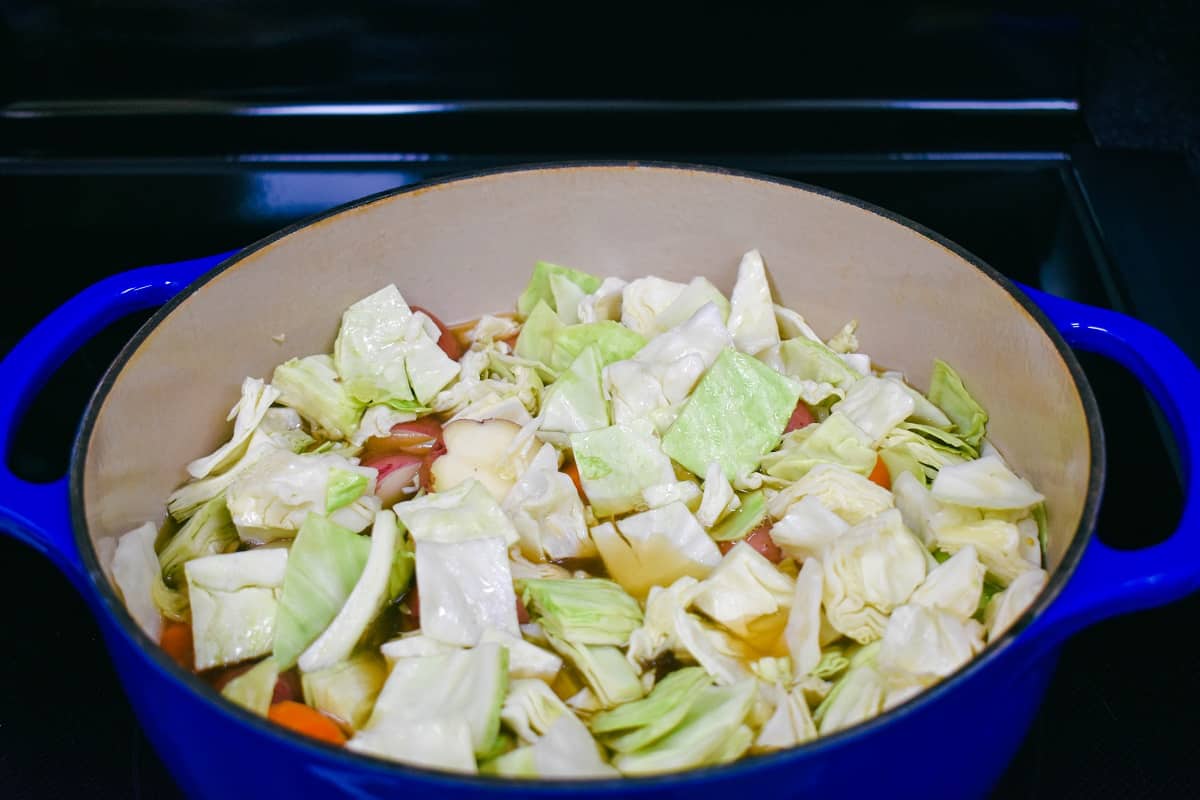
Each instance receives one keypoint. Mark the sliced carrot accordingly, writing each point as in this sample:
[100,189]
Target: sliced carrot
[880,474]
[573,473]
[176,639]
[302,719]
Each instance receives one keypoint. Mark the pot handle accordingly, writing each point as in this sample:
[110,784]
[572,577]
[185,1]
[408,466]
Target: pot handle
[39,513]
[1109,581]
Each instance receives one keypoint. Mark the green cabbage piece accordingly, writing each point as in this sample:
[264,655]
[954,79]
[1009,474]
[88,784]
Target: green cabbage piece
[234,598]
[467,511]
[618,463]
[325,563]
[947,392]
[513,764]
[806,360]
[576,402]
[614,341]
[833,662]
[387,354]
[643,722]
[254,689]
[751,311]
[699,292]
[536,340]
[530,708]
[249,411]
[837,440]
[876,406]
[138,576]
[280,429]
[469,685]
[583,611]
[209,532]
[313,387]
[348,689]
[747,517]
[898,460]
[364,602]
[539,288]
[604,668]
[735,415]
[702,737]
[344,488]
[985,483]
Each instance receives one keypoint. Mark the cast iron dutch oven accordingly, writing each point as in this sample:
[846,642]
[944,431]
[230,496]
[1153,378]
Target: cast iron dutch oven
[463,247]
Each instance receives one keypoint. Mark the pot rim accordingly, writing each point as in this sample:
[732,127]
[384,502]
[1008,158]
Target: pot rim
[108,600]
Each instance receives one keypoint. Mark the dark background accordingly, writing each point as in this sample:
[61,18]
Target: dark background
[126,137]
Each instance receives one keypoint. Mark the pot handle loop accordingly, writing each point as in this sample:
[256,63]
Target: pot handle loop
[1110,581]
[39,513]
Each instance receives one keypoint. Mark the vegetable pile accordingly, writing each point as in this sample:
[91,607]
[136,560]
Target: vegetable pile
[634,528]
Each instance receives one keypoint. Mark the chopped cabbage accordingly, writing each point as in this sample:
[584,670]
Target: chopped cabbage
[567,296]
[803,631]
[947,392]
[249,410]
[746,595]
[348,689]
[807,529]
[750,512]
[465,588]
[655,547]
[616,464]
[955,585]
[718,499]
[530,708]
[468,511]
[540,290]
[135,569]
[695,296]
[657,634]
[254,689]
[735,416]
[661,375]
[844,341]
[612,340]
[313,387]
[837,440]
[546,511]
[576,402]
[583,611]
[525,659]
[273,498]
[751,310]
[636,725]
[876,406]
[984,483]
[644,299]
[209,532]
[610,677]
[363,603]
[323,566]
[791,723]
[234,599]
[998,544]
[702,736]
[847,494]
[604,303]
[857,697]
[1007,606]
[871,569]
[386,354]
[686,492]
[279,430]
[928,643]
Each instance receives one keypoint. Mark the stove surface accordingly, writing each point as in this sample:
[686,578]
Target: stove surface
[1111,722]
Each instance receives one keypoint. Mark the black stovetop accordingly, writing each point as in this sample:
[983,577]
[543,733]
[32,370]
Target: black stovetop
[1016,184]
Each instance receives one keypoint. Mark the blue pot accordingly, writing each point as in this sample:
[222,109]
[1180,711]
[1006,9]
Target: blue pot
[951,741]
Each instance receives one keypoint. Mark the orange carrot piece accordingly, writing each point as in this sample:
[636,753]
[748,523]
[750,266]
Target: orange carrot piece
[880,474]
[573,473]
[176,639]
[310,722]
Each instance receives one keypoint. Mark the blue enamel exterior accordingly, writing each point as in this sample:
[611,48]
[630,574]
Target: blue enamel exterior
[954,742]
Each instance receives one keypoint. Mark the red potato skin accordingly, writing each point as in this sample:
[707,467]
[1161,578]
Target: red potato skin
[446,341]
[760,539]
[802,417]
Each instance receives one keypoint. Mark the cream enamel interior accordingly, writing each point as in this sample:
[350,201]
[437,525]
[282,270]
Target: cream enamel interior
[466,247]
